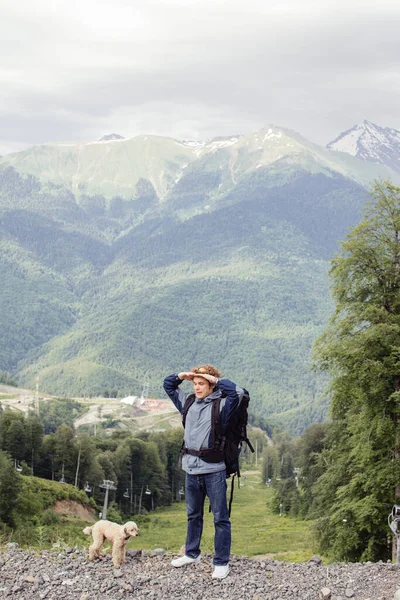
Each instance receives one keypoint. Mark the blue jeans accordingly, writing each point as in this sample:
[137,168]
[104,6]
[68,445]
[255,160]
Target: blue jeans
[198,487]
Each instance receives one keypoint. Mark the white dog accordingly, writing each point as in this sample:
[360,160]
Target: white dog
[118,535]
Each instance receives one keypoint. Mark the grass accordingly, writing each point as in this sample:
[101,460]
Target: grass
[66,533]
[8,396]
[255,529]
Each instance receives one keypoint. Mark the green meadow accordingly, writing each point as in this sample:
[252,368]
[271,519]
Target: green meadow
[255,529]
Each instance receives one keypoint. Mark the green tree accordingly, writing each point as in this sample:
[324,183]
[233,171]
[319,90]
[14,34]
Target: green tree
[361,351]
[7,379]
[140,470]
[13,434]
[270,463]
[10,482]
[34,438]
[87,468]
[48,456]
[310,464]
[65,452]
[175,475]
[259,441]
[285,499]
[59,411]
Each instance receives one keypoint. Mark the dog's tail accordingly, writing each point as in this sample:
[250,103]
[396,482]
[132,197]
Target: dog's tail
[88,530]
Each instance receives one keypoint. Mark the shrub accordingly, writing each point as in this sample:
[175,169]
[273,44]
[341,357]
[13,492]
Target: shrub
[113,514]
[49,517]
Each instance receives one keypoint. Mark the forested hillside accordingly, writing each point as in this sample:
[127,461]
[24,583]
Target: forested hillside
[225,261]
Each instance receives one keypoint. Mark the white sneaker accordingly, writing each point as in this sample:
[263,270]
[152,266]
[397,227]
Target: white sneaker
[220,571]
[185,560]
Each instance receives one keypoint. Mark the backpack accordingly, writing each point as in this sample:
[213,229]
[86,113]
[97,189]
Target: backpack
[228,446]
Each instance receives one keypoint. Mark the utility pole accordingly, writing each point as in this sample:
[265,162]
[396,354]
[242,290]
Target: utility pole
[107,485]
[145,390]
[131,497]
[37,396]
[78,464]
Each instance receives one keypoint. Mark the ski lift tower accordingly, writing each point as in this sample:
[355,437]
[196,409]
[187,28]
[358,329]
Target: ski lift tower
[107,485]
[145,391]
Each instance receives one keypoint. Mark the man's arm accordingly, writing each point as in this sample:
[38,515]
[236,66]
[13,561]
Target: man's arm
[234,394]
[171,386]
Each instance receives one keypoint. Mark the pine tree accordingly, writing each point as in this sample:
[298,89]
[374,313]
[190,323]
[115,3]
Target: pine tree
[361,351]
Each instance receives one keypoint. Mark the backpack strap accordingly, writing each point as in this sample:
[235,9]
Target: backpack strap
[210,455]
[246,439]
[217,439]
[189,401]
[231,495]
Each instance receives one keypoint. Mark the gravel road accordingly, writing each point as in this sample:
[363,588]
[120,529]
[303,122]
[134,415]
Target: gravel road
[32,575]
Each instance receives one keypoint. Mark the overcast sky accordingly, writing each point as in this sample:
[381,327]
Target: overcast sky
[74,70]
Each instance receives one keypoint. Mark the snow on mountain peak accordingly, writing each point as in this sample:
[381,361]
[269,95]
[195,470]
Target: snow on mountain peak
[111,137]
[370,142]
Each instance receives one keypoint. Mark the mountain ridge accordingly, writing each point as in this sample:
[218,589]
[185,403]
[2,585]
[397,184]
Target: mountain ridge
[217,257]
[115,167]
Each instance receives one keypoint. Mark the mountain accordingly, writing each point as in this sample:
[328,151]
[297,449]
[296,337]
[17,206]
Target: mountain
[111,137]
[118,167]
[370,142]
[124,260]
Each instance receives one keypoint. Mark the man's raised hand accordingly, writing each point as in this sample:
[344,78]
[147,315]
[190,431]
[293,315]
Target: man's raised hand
[186,375]
[210,378]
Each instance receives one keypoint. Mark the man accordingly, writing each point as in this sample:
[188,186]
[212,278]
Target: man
[205,474]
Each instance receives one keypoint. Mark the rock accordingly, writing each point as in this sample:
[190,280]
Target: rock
[397,595]
[16,588]
[134,553]
[12,546]
[317,560]
[63,576]
[157,552]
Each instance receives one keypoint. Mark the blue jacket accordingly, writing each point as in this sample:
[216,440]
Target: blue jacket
[198,419]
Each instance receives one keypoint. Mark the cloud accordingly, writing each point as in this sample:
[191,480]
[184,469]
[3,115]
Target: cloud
[195,69]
